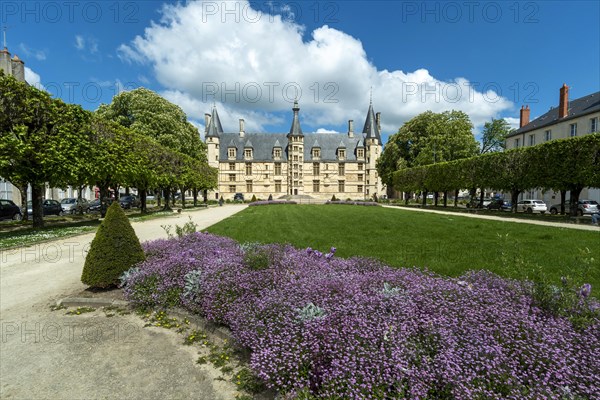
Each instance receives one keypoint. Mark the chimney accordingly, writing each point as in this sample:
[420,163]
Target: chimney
[350,128]
[524,116]
[242,132]
[378,121]
[563,103]
[206,122]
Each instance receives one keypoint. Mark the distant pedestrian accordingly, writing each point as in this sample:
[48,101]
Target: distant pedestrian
[595,219]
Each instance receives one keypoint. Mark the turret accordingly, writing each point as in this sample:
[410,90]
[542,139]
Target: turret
[5,63]
[212,136]
[18,68]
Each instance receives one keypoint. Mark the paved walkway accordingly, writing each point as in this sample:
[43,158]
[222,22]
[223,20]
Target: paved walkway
[583,227]
[47,354]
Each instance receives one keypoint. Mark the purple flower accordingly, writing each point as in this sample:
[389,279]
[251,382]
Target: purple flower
[585,290]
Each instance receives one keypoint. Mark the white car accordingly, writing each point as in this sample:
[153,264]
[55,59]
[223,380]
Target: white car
[531,206]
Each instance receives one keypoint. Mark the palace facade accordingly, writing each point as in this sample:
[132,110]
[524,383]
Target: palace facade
[296,164]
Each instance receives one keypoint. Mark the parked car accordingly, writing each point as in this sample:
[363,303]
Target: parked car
[499,204]
[50,207]
[71,205]
[583,207]
[94,205]
[531,206]
[9,210]
[238,197]
[129,201]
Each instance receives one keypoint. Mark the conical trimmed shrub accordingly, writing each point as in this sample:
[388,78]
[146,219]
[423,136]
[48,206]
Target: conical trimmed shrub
[114,250]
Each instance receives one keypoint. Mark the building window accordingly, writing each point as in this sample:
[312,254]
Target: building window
[360,167]
[360,177]
[249,186]
[296,158]
[248,168]
[295,175]
[573,130]
[342,154]
[295,148]
[548,135]
[277,186]
[341,169]
[231,188]
[360,153]
[316,169]
[516,143]
[341,186]
[316,186]
[277,168]
[231,152]
[531,140]
[593,125]
[231,177]
[316,153]
[359,188]
[232,166]
[277,153]
[248,154]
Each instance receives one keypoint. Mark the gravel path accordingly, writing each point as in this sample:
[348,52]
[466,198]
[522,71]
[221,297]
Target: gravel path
[47,354]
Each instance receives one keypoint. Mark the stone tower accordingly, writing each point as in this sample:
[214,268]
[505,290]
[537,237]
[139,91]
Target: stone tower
[295,154]
[371,133]
[14,66]
[212,135]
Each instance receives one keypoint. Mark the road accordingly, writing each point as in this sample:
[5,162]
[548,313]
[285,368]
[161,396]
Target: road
[47,354]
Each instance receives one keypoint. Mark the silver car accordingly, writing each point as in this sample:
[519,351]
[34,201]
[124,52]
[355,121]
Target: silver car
[531,206]
[71,205]
[583,207]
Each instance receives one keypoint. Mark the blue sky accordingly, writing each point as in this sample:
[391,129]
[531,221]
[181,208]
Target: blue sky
[252,59]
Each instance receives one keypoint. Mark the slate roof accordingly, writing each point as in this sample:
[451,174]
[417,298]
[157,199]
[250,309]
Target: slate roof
[577,108]
[295,129]
[263,144]
[370,129]
[214,128]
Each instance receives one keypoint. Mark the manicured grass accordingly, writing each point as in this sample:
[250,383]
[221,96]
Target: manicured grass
[447,244]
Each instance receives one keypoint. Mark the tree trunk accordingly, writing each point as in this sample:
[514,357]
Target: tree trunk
[435,199]
[445,199]
[406,197]
[23,189]
[456,198]
[195,194]
[158,198]
[514,199]
[563,197]
[182,197]
[424,201]
[127,190]
[104,192]
[79,198]
[167,193]
[205,195]
[574,194]
[37,199]
[143,208]
[481,198]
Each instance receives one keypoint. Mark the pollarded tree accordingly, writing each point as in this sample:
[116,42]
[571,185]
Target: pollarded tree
[493,136]
[114,250]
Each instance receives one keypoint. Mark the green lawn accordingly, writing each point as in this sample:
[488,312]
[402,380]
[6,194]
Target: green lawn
[447,244]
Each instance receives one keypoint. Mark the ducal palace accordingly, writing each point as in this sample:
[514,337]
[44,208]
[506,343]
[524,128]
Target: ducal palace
[296,164]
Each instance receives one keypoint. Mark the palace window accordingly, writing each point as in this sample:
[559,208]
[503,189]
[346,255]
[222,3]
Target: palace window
[360,153]
[231,188]
[360,177]
[342,154]
[316,169]
[359,188]
[341,186]
[231,177]
[277,168]
[248,154]
[593,125]
[341,169]
[232,166]
[231,152]
[360,166]
[278,186]
[249,186]
[573,130]
[277,153]
[248,168]
[316,153]
[316,186]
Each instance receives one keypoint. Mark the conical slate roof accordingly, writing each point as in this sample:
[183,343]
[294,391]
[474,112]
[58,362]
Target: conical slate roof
[296,130]
[214,128]
[370,129]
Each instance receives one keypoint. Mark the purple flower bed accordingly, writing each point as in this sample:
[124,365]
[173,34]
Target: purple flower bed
[270,202]
[353,203]
[355,328]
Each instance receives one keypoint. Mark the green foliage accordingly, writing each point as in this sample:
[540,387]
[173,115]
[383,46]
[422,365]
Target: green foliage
[181,231]
[494,135]
[114,250]
[253,198]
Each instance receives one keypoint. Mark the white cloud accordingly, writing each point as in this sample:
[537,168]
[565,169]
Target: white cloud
[513,122]
[323,130]
[33,79]
[29,52]
[260,62]
[79,42]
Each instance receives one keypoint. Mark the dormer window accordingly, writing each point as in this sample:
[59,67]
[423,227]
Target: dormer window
[341,154]
[277,153]
[231,152]
[316,153]
[248,154]
[360,153]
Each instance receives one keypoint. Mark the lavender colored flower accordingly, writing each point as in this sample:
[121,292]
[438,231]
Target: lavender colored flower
[585,290]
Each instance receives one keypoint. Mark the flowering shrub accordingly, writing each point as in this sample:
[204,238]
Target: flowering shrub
[355,328]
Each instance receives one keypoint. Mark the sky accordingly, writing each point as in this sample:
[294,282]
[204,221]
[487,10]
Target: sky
[253,59]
